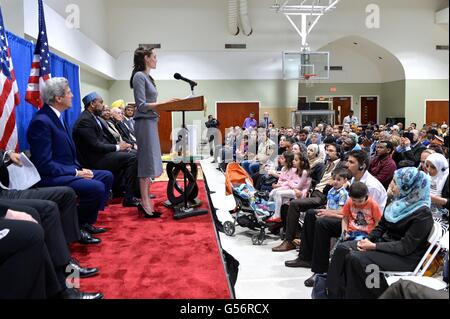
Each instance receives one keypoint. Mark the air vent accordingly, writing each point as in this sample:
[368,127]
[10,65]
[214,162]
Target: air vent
[442,47]
[151,45]
[334,68]
[235,46]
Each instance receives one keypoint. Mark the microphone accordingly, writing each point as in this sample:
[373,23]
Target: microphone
[178,76]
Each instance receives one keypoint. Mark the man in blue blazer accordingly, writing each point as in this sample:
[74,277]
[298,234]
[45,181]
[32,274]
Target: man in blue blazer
[54,155]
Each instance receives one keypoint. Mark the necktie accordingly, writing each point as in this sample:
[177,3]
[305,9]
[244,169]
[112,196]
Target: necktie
[61,119]
[98,122]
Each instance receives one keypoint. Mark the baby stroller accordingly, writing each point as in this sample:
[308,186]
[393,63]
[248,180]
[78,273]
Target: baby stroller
[252,208]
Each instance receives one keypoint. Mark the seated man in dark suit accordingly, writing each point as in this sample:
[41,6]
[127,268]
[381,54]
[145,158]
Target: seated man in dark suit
[54,155]
[97,148]
[63,196]
[117,120]
[31,263]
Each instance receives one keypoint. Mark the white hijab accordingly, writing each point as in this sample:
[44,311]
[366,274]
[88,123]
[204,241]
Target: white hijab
[438,182]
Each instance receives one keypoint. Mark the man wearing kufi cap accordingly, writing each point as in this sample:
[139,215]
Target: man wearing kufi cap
[98,148]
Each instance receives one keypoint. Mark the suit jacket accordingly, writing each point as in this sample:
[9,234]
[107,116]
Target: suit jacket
[92,142]
[129,123]
[52,149]
[262,122]
[123,130]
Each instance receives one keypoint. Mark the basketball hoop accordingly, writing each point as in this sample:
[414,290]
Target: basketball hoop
[308,79]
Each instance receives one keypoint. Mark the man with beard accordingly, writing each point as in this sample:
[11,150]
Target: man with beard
[382,166]
[303,137]
[97,148]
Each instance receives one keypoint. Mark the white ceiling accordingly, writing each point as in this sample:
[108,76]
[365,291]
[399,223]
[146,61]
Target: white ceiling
[193,34]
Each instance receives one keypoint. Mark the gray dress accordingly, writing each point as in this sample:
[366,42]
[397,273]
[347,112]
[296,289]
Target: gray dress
[146,127]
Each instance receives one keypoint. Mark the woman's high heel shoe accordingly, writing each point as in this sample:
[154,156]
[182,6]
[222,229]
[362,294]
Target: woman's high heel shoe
[142,212]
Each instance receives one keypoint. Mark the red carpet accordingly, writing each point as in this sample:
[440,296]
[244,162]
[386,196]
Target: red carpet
[155,258]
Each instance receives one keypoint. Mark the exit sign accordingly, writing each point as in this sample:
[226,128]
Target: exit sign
[333,89]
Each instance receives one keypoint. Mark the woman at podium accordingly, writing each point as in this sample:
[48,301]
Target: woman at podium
[146,126]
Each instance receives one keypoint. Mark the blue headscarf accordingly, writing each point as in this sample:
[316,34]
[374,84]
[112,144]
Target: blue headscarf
[414,186]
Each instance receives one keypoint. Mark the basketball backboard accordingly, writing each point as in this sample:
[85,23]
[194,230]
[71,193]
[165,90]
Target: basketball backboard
[297,64]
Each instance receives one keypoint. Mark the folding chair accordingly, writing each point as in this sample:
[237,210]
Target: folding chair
[437,242]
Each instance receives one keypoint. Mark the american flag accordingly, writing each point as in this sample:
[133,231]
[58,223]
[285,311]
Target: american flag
[40,69]
[9,97]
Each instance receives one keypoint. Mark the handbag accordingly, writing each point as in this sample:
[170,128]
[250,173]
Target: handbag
[269,180]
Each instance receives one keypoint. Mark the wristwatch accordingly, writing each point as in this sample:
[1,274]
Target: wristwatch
[7,157]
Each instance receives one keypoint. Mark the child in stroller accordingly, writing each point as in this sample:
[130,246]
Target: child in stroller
[252,207]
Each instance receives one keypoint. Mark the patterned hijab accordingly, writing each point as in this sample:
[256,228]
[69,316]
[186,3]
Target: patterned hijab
[414,186]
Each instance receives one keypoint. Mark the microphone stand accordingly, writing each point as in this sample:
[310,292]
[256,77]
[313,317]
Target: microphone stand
[186,210]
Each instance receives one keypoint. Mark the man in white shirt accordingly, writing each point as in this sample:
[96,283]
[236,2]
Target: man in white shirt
[358,165]
[350,119]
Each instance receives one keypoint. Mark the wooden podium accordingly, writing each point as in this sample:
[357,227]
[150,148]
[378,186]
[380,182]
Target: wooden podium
[189,191]
[186,105]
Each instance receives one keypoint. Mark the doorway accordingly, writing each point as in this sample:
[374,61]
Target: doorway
[234,113]
[369,109]
[341,106]
[436,111]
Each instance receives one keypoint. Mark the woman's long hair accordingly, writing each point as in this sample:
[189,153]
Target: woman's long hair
[139,62]
[304,165]
[289,158]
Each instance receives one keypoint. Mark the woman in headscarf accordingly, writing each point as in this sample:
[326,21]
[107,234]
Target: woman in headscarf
[437,167]
[316,163]
[397,243]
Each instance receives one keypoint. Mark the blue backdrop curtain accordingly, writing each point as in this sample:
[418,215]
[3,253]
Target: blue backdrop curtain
[22,57]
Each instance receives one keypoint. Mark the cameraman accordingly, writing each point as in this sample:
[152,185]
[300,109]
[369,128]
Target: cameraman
[212,134]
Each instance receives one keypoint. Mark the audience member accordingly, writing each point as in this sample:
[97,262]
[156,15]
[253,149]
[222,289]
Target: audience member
[316,163]
[423,157]
[437,168]
[410,148]
[250,122]
[294,178]
[361,213]
[303,137]
[350,119]
[264,123]
[382,166]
